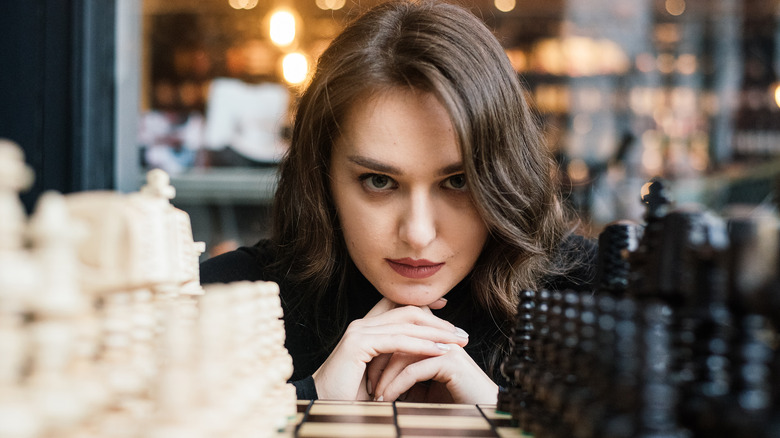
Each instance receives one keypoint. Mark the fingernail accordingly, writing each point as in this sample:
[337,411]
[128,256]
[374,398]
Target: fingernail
[443,299]
[368,387]
[460,332]
[381,398]
[444,347]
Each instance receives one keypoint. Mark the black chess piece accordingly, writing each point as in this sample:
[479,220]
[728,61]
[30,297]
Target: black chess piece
[617,241]
[516,399]
[658,199]
[644,260]
[533,418]
[657,410]
[704,322]
[563,388]
[752,272]
[549,371]
[622,397]
[583,408]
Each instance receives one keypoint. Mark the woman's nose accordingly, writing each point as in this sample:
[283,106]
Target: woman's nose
[418,221]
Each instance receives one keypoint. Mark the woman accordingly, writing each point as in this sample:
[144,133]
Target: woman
[417,199]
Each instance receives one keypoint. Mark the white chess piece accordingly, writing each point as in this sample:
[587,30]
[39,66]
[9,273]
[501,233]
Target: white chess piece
[15,176]
[179,253]
[54,236]
[19,279]
[57,307]
[124,341]
[18,274]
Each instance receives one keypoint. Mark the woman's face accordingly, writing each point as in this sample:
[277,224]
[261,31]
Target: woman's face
[402,197]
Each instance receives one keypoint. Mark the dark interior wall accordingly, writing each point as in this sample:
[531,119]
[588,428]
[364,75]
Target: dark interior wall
[57,91]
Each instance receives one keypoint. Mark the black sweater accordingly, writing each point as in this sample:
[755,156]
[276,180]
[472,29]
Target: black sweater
[308,348]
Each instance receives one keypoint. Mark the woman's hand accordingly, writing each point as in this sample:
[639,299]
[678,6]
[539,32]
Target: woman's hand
[386,329]
[452,377]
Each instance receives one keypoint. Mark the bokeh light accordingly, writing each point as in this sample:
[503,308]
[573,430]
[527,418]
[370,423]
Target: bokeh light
[578,170]
[282,28]
[295,68]
[242,4]
[687,64]
[504,5]
[675,7]
[330,4]
[777,94]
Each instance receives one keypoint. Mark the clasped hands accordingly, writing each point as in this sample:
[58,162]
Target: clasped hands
[403,352]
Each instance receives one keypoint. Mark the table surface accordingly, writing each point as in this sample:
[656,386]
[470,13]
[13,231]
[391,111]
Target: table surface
[343,419]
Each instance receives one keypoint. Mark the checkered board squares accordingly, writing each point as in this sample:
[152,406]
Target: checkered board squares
[343,419]
[502,421]
[416,419]
[326,419]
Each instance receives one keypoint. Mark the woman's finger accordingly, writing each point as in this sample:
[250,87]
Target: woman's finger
[341,376]
[392,368]
[374,370]
[407,314]
[438,304]
[464,380]
[453,336]
[385,305]
[381,307]
[413,373]
[387,329]
[391,343]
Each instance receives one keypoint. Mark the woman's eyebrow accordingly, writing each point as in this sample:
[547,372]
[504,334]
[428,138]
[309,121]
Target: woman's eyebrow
[374,165]
[452,168]
[378,166]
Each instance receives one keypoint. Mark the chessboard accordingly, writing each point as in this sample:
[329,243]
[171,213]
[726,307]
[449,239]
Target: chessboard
[331,419]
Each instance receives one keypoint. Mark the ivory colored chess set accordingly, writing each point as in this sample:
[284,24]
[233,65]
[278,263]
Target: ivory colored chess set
[105,330]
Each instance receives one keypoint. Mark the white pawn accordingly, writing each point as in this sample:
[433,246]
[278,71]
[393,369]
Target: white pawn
[15,176]
[158,185]
[18,275]
[54,236]
[58,306]
[170,231]
[18,280]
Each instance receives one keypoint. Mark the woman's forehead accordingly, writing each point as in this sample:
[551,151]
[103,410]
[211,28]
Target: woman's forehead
[399,126]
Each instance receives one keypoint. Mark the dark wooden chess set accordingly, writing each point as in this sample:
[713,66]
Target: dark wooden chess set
[679,339]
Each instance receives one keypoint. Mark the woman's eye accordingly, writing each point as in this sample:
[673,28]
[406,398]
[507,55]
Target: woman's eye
[377,182]
[457,181]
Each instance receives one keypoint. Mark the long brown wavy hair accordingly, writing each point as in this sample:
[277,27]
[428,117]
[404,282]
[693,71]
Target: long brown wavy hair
[446,50]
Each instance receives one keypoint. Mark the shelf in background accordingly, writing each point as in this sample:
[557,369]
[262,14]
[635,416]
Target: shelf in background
[236,185]
[740,183]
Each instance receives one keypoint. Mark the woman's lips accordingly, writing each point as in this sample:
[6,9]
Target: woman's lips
[411,268]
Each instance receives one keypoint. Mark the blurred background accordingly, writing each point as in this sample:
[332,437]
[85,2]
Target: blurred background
[98,92]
